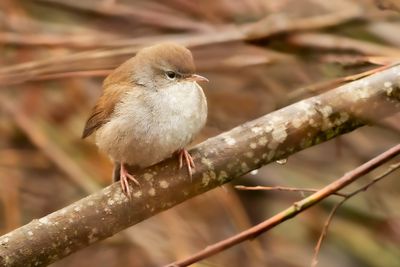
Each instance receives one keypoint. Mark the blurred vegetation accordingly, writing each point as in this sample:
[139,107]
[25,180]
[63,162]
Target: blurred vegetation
[259,55]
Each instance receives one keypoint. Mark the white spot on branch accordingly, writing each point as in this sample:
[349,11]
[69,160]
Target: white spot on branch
[164,184]
[268,128]
[44,220]
[279,134]
[262,141]
[388,84]
[207,176]
[364,92]
[298,121]
[207,162]
[152,192]
[256,130]
[222,176]
[148,176]
[137,194]
[205,180]
[326,111]
[107,210]
[230,141]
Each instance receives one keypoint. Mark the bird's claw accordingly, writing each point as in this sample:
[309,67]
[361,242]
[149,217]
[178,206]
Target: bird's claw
[184,156]
[125,176]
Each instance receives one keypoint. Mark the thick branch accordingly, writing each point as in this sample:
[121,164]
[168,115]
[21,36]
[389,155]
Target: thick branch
[218,160]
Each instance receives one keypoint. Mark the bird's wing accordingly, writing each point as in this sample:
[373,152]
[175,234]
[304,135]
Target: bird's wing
[104,108]
[115,85]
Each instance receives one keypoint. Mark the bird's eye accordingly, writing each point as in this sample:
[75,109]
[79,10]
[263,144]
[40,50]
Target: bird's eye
[171,75]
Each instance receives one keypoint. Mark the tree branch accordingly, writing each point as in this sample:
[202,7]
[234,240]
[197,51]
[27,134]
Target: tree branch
[219,160]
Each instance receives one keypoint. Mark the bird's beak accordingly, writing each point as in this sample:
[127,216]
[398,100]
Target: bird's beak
[196,78]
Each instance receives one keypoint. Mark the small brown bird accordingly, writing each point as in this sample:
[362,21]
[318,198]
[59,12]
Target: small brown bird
[151,107]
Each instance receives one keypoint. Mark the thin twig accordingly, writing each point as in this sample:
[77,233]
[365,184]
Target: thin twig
[293,210]
[336,42]
[73,74]
[324,232]
[314,261]
[283,188]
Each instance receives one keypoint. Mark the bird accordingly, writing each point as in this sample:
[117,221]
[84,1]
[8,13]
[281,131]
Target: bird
[151,108]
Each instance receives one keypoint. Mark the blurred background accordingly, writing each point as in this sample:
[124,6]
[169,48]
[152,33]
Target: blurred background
[259,56]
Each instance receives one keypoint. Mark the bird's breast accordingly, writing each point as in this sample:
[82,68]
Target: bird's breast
[182,106]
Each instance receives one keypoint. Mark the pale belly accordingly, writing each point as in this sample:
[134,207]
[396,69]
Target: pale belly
[146,130]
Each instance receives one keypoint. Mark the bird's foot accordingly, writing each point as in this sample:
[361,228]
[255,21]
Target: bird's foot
[125,176]
[185,157]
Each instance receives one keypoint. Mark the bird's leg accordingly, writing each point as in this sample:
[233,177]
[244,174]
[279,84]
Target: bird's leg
[184,155]
[125,176]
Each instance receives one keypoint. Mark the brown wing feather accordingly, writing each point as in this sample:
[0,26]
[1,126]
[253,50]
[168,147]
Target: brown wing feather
[103,109]
[97,118]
